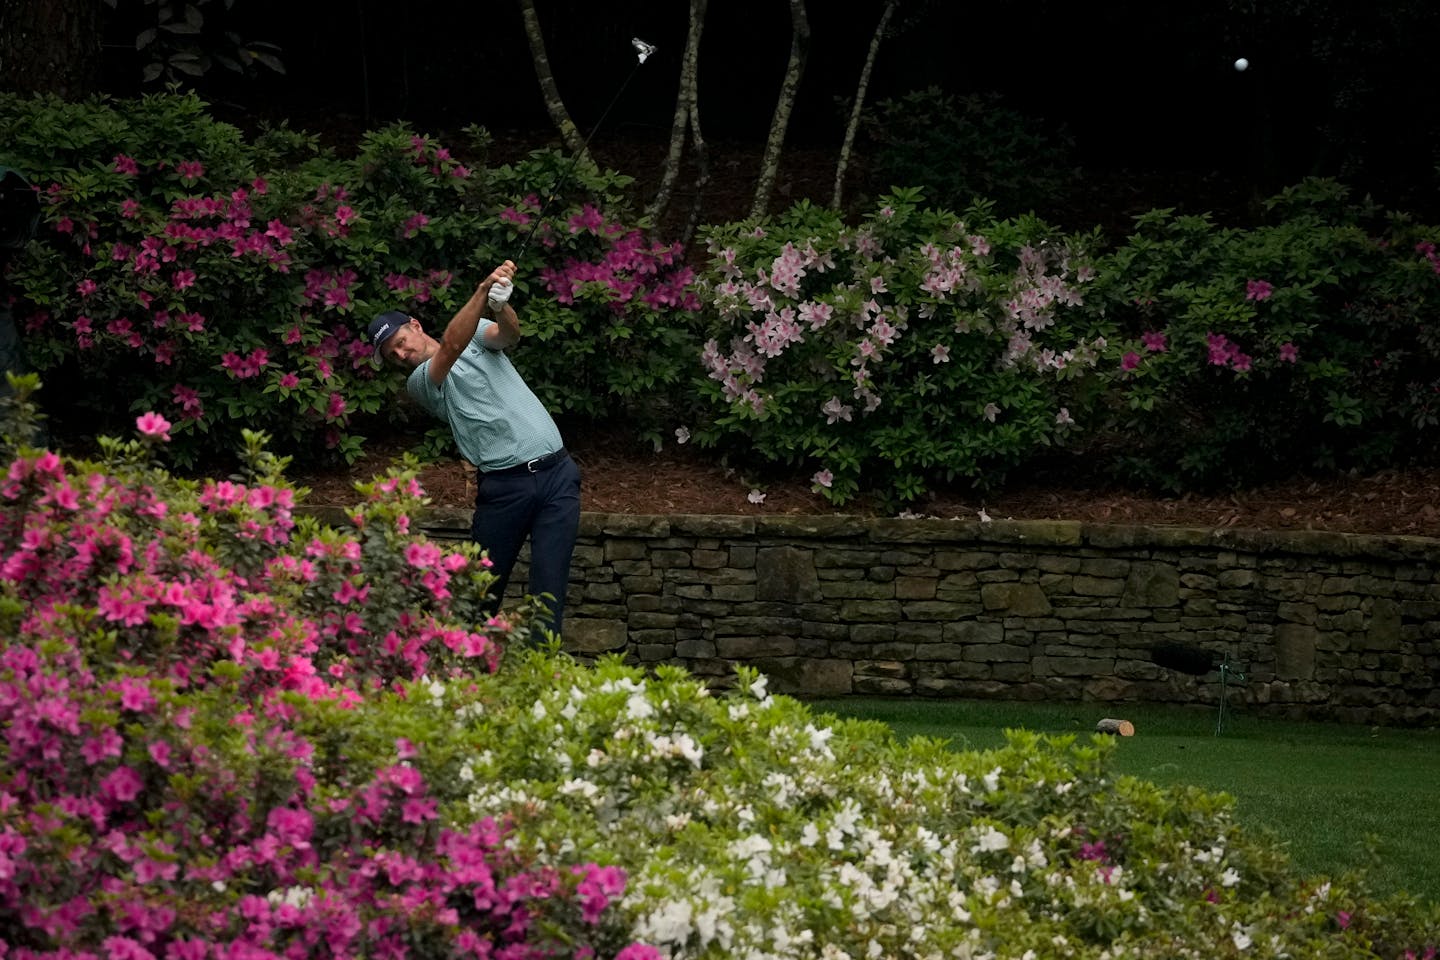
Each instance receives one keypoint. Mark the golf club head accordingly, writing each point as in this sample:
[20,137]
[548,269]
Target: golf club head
[642,49]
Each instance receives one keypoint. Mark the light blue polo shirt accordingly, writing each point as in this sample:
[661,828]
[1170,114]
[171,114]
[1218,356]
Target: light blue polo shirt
[496,419]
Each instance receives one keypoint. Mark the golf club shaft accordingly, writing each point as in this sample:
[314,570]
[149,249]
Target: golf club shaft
[584,149]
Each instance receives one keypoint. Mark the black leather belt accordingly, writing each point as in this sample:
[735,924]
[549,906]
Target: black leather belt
[529,466]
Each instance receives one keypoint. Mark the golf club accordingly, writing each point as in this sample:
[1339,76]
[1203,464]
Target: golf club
[642,53]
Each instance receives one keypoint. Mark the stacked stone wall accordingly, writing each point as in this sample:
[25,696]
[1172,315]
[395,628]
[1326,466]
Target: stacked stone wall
[1306,624]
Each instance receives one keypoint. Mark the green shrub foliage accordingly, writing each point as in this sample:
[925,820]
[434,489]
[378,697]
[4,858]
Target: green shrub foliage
[184,270]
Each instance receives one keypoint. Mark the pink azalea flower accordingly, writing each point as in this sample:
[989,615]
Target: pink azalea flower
[823,478]
[190,169]
[1258,290]
[289,381]
[122,785]
[282,234]
[1130,361]
[1288,353]
[1220,349]
[940,353]
[418,811]
[126,165]
[86,287]
[639,951]
[183,279]
[153,425]
[1154,341]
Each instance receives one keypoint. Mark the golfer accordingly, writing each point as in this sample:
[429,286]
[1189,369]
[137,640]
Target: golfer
[527,485]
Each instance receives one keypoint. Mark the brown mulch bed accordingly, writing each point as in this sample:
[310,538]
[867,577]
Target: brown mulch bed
[620,476]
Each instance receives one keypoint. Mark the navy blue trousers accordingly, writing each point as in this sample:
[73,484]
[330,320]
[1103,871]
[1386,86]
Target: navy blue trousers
[545,506]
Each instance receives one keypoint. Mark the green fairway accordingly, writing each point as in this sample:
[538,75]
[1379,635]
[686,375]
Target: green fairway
[1337,796]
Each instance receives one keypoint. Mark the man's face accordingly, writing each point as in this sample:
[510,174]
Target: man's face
[408,346]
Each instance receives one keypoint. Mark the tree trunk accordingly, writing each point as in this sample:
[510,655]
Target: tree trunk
[799,50]
[683,101]
[50,46]
[860,89]
[553,104]
[702,164]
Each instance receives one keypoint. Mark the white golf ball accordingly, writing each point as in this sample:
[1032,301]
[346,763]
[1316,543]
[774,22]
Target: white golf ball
[1241,64]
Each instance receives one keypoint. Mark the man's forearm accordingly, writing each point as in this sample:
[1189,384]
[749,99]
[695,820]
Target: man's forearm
[461,328]
[507,328]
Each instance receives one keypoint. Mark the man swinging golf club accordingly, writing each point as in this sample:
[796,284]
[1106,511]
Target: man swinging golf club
[527,485]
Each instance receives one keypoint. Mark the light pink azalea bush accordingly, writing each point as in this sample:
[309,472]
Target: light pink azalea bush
[229,732]
[916,347]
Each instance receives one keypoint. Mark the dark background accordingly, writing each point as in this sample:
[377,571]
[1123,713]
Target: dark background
[1334,88]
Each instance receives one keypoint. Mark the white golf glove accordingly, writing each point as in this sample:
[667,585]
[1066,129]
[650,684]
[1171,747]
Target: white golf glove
[500,292]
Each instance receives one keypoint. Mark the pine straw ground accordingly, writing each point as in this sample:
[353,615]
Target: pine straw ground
[623,476]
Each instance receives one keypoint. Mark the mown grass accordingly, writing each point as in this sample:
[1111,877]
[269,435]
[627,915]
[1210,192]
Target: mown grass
[1338,797]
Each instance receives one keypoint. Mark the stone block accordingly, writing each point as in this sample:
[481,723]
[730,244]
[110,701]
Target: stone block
[741,648]
[624,550]
[881,686]
[880,668]
[872,632]
[710,559]
[1072,666]
[1105,567]
[870,611]
[929,610]
[997,653]
[1152,585]
[594,636]
[1295,651]
[804,676]
[973,631]
[1383,632]
[1097,587]
[1015,599]
[1297,613]
[696,649]
[915,588]
[741,626]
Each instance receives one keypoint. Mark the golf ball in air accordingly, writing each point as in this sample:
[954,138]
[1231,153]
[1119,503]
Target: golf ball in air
[1241,64]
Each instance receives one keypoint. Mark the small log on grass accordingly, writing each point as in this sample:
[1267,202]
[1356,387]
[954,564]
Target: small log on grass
[1122,727]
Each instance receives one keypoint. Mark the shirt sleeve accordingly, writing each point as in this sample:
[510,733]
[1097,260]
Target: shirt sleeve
[425,393]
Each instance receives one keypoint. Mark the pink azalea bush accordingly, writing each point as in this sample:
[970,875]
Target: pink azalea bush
[1299,344]
[229,732]
[183,269]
